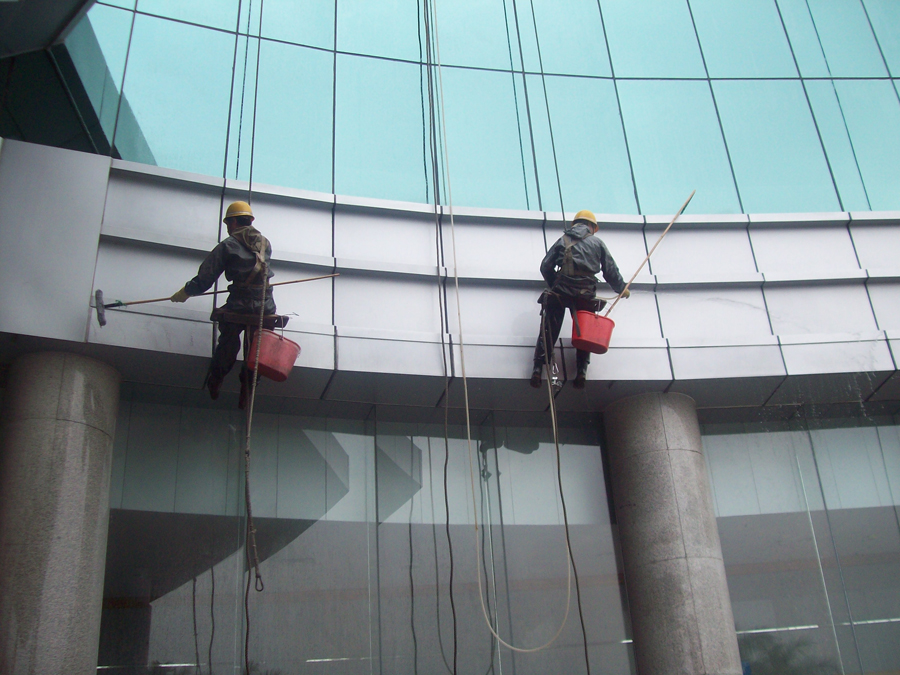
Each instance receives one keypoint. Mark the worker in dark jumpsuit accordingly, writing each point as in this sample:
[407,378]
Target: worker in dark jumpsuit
[244,258]
[569,268]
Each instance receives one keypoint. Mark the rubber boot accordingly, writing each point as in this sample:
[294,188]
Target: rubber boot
[536,374]
[582,361]
[213,383]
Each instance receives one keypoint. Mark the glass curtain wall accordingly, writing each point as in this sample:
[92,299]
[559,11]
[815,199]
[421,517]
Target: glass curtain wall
[615,105]
[384,547]
[808,518]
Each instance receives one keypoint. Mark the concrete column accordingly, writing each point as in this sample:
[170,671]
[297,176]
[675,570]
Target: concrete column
[59,418]
[680,609]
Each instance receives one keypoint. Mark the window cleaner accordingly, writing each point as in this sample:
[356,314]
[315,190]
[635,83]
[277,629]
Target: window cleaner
[569,268]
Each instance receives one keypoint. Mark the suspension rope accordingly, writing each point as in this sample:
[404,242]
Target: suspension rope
[446,156]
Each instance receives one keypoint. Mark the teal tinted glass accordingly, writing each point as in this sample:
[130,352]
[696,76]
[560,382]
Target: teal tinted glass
[803,38]
[213,13]
[482,139]
[571,38]
[873,118]
[743,39]
[380,138]
[293,128]
[885,18]
[383,28]
[241,137]
[306,22]
[590,147]
[775,151]
[182,116]
[125,4]
[656,41]
[832,127]
[473,32]
[679,151]
[847,38]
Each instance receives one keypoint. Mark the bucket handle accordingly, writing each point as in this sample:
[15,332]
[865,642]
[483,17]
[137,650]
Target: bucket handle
[575,321]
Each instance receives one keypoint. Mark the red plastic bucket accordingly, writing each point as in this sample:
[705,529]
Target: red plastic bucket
[277,355]
[596,331]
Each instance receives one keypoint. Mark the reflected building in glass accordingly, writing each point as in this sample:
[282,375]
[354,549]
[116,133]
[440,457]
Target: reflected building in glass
[723,495]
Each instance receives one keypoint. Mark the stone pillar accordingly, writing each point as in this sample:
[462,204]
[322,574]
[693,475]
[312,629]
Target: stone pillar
[680,609]
[58,418]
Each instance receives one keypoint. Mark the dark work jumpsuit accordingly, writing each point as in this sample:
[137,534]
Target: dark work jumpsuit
[234,257]
[573,284]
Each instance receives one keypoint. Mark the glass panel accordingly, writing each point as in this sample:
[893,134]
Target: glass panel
[775,151]
[562,54]
[872,113]
[833,129]
[183,117]
[307,22]
[293,129]
[125,4]
[742,39]
[771,525]
[658,41]
[482,139]
[213,13]
[803,38]
[241,133]
[885,17]
[679,151]
[384,28]
[590,146]
[379,149]
[847,40]
[473,32]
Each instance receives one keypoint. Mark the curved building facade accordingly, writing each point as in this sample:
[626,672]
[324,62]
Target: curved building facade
[723,495]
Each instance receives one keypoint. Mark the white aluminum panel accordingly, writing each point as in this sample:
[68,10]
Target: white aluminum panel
[696,252]
[293,226]
[803,250]
[494,309]
[496,361]
[696,363]
[387,236]
[812,309]
[885,297]
[622,363]
[878,246]
[495,245]
[627,249]
[636,318]
[163,206]
[837,357]
[307,302]
[374,355]
[146,329]
[386,303]
[713,312]
[52,208]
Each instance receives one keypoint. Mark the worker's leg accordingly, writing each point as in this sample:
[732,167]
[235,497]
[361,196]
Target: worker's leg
[583,358]
[224,356]
[551,324]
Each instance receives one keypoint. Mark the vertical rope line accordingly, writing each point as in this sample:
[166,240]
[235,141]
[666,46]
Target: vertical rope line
[537,180]
[412,584]
[255,100]
[194,619]
[422,102]
[512,73]
[112,143]
[212,615]
[562,206]
[838,98]
[237,168]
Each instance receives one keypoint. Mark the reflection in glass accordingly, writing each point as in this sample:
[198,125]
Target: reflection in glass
[473,32]
[658,41]
[182,116]
[744,39]
[385,28]
[775,150]
[676,147]
[560,53]
[885,17]
[306,22]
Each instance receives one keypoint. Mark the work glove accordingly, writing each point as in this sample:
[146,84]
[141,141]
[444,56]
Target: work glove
[180,295]
[626,293]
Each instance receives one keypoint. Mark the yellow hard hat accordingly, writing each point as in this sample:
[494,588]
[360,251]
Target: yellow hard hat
[238,209]
[584,214]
